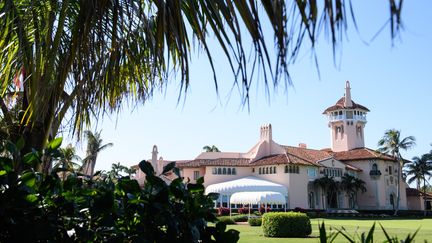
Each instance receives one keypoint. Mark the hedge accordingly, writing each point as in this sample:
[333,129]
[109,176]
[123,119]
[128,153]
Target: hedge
[240,218]
[255,221]
[226,219]
[290,224]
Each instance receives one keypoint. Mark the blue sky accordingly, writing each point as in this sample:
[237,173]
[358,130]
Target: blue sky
[393,81]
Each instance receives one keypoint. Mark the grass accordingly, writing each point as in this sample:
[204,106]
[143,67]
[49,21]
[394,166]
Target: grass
[395,227]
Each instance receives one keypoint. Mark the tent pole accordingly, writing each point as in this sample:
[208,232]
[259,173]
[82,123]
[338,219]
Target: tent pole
[229,206]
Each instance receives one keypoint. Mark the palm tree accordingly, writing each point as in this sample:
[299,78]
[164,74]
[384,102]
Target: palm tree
[94,146]
[352,185]
[329,188]
[393,144]
[212,148]
[86,58]
[68,160]
[418,169]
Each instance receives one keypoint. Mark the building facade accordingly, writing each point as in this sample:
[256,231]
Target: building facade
[295,169]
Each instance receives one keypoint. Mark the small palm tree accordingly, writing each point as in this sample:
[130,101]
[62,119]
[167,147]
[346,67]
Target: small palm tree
[352,185]
[94,147]
[329,188]
[419,169]
[212,148]
[68,161]
[393,144]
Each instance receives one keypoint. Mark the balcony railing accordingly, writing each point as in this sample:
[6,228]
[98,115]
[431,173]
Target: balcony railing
[375,172]
[344,117]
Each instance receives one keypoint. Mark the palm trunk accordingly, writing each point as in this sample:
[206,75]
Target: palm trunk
[398,189]
[424,196]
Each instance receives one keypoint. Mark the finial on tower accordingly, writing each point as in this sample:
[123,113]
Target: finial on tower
[348,102]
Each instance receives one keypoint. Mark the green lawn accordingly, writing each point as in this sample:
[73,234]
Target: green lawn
[398,227]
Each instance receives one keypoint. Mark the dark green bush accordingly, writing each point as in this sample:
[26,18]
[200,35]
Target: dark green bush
[240,218]
[283,224]
[37,207]
[226,219]
[255,221]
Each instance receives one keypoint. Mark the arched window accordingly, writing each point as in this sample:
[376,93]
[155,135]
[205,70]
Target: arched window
[286,168]
[267,170]
[259,171]
[229,171]
[374,167]
[297,169]
[219,171]
[234,172]
[224,171]
[274,170]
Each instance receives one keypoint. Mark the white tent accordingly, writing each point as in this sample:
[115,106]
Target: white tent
[246,184]
[266,197]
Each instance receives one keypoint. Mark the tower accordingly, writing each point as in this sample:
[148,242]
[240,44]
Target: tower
[347,120]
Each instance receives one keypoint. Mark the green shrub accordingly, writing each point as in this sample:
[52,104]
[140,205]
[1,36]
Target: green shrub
[240,218]
[226,219]
[100,208]
[255,221]
[283,224]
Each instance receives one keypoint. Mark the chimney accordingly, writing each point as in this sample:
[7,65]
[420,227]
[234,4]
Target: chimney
[154,158]
[348,102]
[302,145]
[266,132]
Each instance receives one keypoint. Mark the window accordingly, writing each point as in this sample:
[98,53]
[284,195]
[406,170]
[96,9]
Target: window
[374,167]
[259,171]
[224,171]
[229,171]
[253,170]
[390,170]
[196,175]
[214,171]
[233,171]
[292,169]
[333,172]
[219,171]
[267,170]
[274,170]
[311,172]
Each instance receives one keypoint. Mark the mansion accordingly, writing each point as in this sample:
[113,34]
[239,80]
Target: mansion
[283,176]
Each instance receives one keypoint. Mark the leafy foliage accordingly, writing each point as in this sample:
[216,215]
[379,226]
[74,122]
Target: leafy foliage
[255,221]
[329,237]
[98,209]
[282,224]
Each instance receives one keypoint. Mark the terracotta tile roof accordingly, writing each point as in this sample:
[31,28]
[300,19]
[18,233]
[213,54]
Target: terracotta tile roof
[351,167]
[413,192]
[340,105]
[281,159]
[361,154]
[215,162]
[310,155]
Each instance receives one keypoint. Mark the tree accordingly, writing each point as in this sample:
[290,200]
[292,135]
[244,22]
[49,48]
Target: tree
[393,144]
[67,161]
[352,185]
[117,170]
[94,146]
[212,148]
[418,169]
[81,59]
[329,188]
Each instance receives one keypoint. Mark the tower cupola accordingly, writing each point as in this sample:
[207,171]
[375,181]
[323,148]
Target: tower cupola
[346,120]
